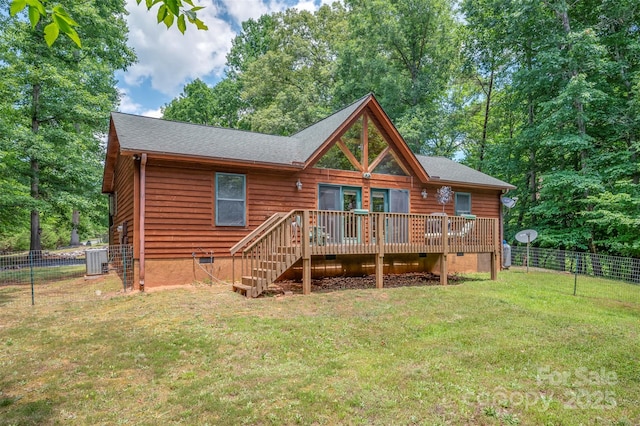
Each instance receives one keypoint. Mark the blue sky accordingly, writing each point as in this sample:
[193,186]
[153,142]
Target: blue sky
[167,60]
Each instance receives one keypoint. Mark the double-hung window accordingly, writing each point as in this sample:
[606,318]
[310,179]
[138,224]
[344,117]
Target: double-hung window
[231,199]
[463,203]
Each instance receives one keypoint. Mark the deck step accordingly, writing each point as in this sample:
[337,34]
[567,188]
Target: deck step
[271,264]
[251,281]
[288,249]
[244,289]
[281,257]
[268,274]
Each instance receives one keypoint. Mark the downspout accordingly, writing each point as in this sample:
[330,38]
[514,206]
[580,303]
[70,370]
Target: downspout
[501,227]
[143,178]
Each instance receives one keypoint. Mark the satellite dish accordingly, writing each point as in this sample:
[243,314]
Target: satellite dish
[509,202]
[526,236]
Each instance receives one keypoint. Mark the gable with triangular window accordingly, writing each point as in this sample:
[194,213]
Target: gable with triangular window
[362,147]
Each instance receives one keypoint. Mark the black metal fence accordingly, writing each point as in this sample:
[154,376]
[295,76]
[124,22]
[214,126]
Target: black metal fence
[44,277]
[621,275]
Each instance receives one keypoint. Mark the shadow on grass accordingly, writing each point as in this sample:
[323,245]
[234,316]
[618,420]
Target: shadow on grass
[11,294]
[13,411]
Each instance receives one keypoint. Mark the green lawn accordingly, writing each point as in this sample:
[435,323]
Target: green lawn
[521,350]
[41,274]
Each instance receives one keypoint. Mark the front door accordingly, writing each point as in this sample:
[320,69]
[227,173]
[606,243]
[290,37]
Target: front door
[339,198]
[392,201]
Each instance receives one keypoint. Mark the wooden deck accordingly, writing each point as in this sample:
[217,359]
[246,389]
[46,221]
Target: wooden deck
[285,238]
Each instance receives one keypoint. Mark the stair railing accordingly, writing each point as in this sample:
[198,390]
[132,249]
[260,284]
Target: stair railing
[275,250]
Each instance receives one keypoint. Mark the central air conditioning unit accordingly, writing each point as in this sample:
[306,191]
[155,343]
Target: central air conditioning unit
[97,261]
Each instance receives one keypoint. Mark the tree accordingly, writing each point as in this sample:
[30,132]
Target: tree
[280,75]
[59,20]
[569,117]
[214,106]
[406,52]
[61,98]
[289,85]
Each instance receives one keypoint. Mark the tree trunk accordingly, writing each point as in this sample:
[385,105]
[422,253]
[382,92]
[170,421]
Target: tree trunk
[35,243]
[485,124]
[581,127]
[533,177]
[75,220]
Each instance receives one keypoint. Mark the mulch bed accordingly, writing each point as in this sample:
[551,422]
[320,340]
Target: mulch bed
[368,281]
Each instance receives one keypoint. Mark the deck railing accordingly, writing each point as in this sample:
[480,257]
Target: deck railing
[276,250]
[332,232]
[300,234]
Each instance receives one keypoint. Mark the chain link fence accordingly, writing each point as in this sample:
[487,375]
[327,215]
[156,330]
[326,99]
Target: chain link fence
[620,275]
[48,277]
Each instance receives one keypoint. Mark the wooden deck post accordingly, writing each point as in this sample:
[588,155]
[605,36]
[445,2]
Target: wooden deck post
[306,254]
[380,251]
[445,250]
[495,264]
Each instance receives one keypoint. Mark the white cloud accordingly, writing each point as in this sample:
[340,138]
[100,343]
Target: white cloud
[241,10]
[169,58]
[310,5]
[155,113]
[127,104]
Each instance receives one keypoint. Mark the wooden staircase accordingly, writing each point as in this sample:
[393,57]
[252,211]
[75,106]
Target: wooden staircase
[268,252]
[267,271]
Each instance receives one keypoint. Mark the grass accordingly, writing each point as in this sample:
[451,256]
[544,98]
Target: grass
[64,291]
[41,274]
[517,351]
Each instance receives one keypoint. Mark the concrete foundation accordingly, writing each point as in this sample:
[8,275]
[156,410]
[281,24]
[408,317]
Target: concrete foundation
[164,272]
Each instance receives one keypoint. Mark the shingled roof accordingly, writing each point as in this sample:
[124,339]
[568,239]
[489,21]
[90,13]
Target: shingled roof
[447,171]
[153,135]
[137,134]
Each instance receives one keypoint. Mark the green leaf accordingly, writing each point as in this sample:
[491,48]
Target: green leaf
[172,5]
[38,5]
[17,6]
[189,2]
[168,20]
[34,16]
[61,23]
[61,13]
[51,32]
[197,8]
[182,26]
[73,35]
[200,25]
[162,13]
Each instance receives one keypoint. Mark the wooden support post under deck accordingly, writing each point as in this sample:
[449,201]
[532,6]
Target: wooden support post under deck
[306,276]
[380,251]
[445,250]
[496,250]
[306,254]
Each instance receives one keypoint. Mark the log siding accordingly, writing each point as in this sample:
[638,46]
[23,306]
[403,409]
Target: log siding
[180,203]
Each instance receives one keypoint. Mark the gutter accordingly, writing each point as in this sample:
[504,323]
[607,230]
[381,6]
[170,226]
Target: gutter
[143,179]
[503,188]
[294,166]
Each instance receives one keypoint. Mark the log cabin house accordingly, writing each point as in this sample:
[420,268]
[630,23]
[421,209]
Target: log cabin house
[344,196]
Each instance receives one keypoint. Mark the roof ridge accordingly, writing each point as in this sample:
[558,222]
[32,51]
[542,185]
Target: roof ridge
[208,126]
[332,114]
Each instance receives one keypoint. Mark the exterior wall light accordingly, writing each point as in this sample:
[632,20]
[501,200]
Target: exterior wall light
[299,185]
[424,193]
